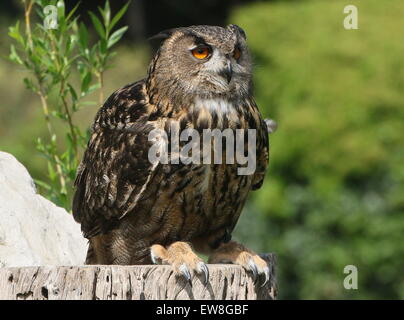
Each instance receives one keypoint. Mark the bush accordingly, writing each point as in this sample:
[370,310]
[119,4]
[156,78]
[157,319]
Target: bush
[52,52]
[333,194]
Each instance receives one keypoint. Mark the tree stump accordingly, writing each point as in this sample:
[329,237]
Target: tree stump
[143,282]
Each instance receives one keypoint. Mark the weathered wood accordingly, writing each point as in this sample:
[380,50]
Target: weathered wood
[101,282]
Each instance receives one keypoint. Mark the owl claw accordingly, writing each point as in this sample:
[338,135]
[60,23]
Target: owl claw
[184,261]
[253,268]
[258,272]
[153,257]
[156,253]
[252,263]
[266,274]
[185,272]
[203,268]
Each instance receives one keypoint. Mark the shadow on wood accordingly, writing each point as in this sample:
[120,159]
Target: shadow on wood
[132,282]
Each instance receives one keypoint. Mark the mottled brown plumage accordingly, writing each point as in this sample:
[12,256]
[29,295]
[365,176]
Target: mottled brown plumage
[134,211]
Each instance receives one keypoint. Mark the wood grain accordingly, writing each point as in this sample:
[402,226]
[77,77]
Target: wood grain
[144,282]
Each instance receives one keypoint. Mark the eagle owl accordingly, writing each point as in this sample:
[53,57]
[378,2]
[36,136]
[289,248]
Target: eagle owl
[134,211]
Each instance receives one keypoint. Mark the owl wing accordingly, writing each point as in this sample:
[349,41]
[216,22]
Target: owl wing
[262,154]
[115,169]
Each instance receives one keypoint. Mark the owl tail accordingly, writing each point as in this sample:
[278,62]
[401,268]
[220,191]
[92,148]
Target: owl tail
[90,258]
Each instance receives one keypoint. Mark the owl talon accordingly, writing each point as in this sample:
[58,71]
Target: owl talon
[253,268]
[153,258]
[181,257]
[157,254]
[185,273]
[266,274]
[203,268]
[233,252]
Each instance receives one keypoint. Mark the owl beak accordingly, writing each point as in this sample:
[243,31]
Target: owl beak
[227,72]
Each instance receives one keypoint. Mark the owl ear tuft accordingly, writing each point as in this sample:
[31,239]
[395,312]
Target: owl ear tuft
[238,30]
[163,35]
[158,39]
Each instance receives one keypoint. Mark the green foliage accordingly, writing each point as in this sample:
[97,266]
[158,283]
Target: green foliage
[53,57]
[334,192]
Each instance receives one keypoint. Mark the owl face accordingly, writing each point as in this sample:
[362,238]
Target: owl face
[205,62]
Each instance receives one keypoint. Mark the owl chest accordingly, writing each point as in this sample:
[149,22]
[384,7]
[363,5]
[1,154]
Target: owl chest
[219,191]
[214,198]
[216,114]
[205,182]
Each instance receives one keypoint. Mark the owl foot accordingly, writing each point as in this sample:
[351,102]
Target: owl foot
[182,258]
[233,252]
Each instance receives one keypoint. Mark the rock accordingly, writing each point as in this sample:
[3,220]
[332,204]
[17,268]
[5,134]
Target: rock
[33,230]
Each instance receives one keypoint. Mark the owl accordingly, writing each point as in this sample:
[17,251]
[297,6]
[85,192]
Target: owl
[137,211]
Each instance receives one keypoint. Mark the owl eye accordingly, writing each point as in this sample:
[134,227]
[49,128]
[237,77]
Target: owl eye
[237,53]
[201,52]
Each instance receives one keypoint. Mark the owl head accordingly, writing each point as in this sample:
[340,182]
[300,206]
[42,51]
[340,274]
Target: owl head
[202,62]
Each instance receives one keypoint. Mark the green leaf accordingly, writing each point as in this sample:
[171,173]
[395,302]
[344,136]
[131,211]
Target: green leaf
[40,13]
[51,172]
[14,32]
[41,3]
[75,106]
[69,140]
[72,174]
[42,184]
[94,87]
[39,144]
[107,14]
[70,44]
[72,92]
[119,15]
[59,114]
[116,36]
[81,67]
[70,14]
[83,35]
[97,24]
[90,89]
[85,82]
[14,55]
[61,19]
[61,9]
[29,84]
[103,46]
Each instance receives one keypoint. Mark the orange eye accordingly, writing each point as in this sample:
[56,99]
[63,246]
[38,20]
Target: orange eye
[201,52]
[236,53]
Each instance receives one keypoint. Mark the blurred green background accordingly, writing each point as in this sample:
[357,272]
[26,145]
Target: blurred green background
[334,193]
